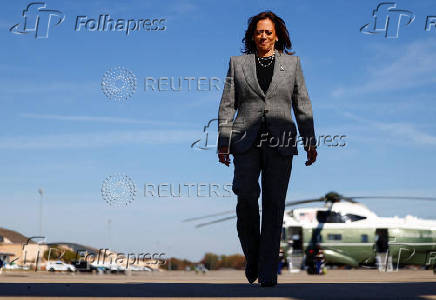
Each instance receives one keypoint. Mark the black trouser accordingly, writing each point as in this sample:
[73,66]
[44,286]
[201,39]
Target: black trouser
[261,247]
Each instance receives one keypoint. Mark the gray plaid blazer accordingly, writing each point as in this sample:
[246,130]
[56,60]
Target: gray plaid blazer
[242,94]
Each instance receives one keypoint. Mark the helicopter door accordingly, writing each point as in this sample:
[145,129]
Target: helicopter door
[295,253]
[295,238]
[383,259]
[381,238]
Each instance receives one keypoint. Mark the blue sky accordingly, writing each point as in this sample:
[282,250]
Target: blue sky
[59,132]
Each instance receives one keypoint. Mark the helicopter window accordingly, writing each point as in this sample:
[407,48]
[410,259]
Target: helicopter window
[328,216]
[334,237]
[354,218]
[364,238]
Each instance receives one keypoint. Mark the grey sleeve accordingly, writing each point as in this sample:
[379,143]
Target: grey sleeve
[302,107]
[227,108]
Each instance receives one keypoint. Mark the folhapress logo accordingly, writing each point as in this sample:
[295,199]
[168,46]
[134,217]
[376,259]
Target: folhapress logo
[38,19]
[387,20]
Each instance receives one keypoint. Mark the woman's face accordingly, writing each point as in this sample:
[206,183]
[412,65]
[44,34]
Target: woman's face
[265,35]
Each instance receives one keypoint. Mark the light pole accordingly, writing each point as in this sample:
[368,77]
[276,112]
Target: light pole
[109,223]
[41,193]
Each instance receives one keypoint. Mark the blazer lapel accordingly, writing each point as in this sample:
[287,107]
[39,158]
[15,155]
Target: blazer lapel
[249,69]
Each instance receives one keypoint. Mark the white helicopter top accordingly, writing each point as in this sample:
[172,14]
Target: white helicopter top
[346,214]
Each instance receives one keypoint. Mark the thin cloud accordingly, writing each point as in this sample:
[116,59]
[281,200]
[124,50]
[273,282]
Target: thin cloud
[97,119]
[412,69]
[28,87]
[99,139]
[404,133]
[183,8]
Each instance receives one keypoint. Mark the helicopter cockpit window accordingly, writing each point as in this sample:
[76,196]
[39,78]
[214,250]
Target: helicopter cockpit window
[329,216]
[354,218]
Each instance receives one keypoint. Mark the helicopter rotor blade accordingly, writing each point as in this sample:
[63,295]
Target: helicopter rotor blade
[349,199]
[260,210]
[215,221]
[232,211]
[209,216]
[392,197]
[291,203]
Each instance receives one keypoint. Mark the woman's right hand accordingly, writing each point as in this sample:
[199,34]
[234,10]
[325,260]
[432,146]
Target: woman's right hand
[223,156]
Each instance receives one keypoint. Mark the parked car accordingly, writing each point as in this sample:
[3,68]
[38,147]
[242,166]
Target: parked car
[139,268]
[83,266]
[59,266]
[134,268]
[108,267]
[114,268]
[14,266]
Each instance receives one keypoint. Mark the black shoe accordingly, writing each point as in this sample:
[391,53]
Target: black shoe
[268,284]
[251,273]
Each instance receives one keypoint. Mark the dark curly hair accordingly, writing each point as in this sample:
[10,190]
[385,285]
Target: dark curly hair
[282,33]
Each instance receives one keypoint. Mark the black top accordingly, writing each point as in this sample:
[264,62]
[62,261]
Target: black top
[264,77]
[264,74]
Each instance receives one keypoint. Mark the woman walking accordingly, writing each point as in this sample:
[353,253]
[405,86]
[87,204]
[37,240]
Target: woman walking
[263,85]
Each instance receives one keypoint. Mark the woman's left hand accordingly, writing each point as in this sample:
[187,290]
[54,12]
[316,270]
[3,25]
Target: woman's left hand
[311,156]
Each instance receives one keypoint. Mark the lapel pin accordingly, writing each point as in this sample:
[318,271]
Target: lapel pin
[281,68]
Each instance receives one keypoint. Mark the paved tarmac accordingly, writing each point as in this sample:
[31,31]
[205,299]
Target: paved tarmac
[223,284]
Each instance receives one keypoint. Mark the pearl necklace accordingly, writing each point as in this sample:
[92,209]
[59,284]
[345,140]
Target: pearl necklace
[269,58]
